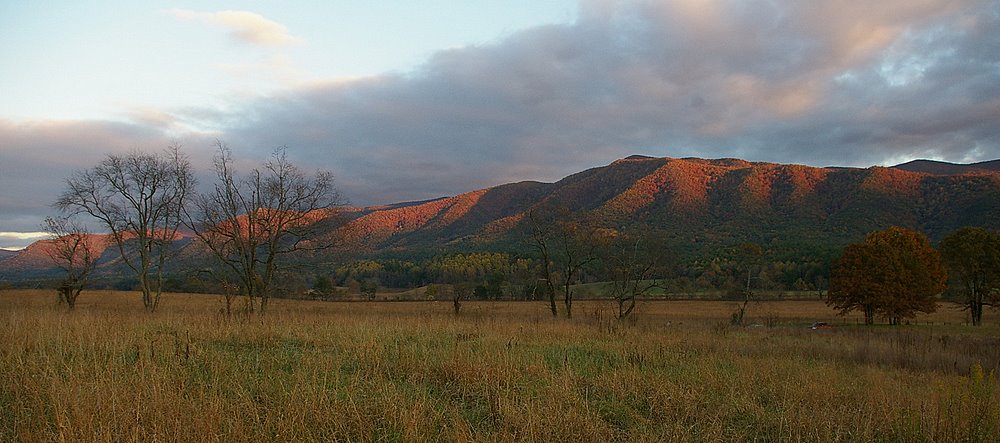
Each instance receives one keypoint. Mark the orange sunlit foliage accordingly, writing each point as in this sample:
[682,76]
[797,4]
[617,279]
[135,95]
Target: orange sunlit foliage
[892,181]
[263,218]
[504,224]
[802,180]
[461,205]
[756,187]
[893,273]
[380,225]
[39,253]
[684,183]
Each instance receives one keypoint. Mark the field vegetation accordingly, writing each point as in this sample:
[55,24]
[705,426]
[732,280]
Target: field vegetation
[498,371]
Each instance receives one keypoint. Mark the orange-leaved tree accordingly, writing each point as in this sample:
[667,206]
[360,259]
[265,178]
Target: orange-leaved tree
[894,273]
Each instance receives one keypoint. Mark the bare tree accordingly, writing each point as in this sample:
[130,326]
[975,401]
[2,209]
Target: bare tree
[74,251]
[578,247]
[541,231]
[251,222]
[632,265]
[139,197]
[567,242]
[749,258]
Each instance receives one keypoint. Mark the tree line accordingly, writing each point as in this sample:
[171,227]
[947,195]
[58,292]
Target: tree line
[252,223]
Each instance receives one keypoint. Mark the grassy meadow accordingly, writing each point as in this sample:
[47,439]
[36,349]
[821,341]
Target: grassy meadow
[500,371]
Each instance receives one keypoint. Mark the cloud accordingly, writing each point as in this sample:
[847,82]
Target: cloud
[821,83]
[850,83]
[22,235]
[13,241]
[276,68]
[39,155]
[243,26]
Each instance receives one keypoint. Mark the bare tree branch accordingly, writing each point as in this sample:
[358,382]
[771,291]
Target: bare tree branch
[250,223]
[139,197]
[73,250]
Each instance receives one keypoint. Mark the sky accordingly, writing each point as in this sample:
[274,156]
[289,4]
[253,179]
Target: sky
[406,100]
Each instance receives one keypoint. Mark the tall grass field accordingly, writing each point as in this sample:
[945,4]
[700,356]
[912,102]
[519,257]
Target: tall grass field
[499,371]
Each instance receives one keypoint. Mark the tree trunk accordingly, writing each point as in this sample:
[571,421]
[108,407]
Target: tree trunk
[147,300]
[74,294]
[568,300]
[549,287]
[68,294]
[159,287]
[976,309]
[263,303]
[623,311]
[552,298]
[144,269]
[869,314]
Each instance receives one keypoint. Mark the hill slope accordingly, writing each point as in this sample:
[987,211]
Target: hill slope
[707,203]
[699,206]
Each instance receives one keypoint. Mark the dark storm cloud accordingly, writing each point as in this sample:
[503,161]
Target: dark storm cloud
[822,83]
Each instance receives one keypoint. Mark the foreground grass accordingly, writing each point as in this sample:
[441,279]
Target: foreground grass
[500,371]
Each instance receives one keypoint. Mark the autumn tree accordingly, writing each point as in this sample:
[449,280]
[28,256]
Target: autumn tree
[894,273]
[75,252]
[252,223]
[973,258]
[851,289]
[139,197]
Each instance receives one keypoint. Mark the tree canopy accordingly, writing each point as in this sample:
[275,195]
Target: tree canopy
[893,273]
[973,258]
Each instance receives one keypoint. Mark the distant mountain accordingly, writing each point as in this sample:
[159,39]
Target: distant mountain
[36,261]
[5,254]
[699,206]
[945,168]
[38,255]
[702,204]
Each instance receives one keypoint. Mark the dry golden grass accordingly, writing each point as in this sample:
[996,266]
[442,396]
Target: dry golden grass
[313,371]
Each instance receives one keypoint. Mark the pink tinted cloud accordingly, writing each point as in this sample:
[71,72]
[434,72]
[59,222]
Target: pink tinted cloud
[242,26]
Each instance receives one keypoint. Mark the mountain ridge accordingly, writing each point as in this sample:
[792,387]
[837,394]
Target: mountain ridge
[698,205]
[945,168]
[730,194]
